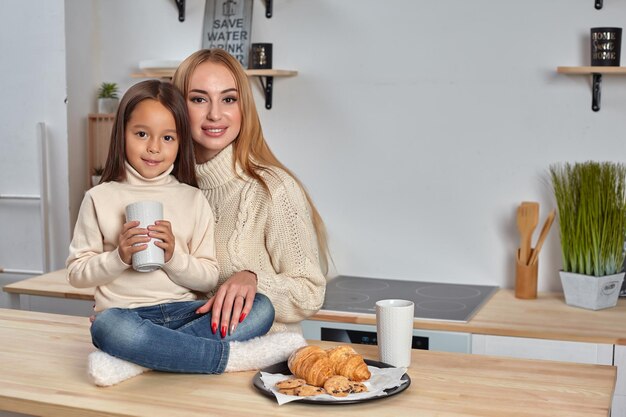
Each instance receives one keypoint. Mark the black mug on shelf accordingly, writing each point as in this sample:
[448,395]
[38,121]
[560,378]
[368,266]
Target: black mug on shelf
[260,56]
[606,44]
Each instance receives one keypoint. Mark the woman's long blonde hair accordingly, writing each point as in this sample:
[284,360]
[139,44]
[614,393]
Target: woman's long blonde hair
[250,149]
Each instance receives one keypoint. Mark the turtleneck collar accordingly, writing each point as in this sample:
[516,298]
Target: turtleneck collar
[135,178]
[218,170]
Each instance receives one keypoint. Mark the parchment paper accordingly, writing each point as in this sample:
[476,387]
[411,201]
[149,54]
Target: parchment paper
[381,379]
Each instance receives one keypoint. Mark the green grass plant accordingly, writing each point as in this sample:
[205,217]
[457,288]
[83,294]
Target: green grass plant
[591,200]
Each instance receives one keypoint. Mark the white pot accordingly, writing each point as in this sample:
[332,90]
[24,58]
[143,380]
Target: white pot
[107,105]
[593,293]
[95,180]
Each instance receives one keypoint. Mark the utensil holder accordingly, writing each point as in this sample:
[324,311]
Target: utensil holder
[525,279]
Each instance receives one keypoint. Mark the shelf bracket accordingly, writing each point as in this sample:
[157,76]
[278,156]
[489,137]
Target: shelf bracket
[598,4]
[595,101]
[268,8]
[268,87]
[181,9]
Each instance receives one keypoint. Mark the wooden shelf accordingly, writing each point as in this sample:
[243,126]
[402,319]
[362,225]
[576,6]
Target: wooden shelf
[266,77]
[271,73]
[98,139]
[597,73]
[169,73]
[591,70]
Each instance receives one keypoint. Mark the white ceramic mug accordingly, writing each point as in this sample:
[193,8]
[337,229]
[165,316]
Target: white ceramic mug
[394,327]
[147,213]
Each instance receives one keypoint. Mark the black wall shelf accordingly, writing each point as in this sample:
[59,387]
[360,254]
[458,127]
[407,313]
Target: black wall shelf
[597,73]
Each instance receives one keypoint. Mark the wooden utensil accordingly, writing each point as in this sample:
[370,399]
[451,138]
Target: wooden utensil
[534,257]
[527,218]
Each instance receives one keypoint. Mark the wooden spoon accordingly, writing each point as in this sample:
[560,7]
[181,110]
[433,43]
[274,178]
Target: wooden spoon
[534,257]
[527,219]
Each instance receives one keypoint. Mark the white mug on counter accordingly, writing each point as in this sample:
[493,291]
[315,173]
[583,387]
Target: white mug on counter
[147,213]
[394,327]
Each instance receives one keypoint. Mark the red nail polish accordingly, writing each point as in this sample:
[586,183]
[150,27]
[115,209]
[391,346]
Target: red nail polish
[213,327]
[223,331]
[242,317]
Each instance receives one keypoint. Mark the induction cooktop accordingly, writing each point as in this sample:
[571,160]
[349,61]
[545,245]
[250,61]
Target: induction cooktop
[433,301]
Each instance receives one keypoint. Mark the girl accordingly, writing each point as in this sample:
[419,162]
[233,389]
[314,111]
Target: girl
[150,319]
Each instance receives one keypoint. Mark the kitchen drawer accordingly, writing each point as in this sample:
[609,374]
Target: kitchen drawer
[441,341]
[620,362]
[556,350]
[57,305]
[618,409]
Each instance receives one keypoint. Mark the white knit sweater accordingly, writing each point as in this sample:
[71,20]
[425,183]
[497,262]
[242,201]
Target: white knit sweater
[95,262]
[270,235]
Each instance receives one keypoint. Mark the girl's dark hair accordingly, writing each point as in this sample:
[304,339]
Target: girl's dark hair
[171,99]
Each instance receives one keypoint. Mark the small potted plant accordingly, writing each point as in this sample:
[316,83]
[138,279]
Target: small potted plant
[107,98]
[591,200]
[96,176]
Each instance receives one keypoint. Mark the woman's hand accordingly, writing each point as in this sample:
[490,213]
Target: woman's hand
[131,235]
[231,303]
[162,229]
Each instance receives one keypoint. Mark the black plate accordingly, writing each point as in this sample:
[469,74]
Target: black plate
[282,368]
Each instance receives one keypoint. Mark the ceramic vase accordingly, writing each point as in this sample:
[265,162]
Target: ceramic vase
[590,292]
[107,105]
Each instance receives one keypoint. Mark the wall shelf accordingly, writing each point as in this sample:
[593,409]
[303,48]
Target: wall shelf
[591,70]
[597,73]
[169,73]
[269,9]
[180,4]
[266,77]
[98,139]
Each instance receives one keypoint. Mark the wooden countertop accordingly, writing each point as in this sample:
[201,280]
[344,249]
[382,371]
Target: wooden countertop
[52,284]
[43,361]
[547,317]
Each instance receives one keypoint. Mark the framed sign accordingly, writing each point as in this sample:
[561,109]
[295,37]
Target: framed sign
[228,25]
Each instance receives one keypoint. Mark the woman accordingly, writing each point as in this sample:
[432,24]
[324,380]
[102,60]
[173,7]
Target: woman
[269,236]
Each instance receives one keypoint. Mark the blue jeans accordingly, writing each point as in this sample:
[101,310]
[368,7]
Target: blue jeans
[172,337]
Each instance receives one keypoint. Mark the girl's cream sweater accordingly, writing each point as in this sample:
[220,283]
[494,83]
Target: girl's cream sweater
[94,260]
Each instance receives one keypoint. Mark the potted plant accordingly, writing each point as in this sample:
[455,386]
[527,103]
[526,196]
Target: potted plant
[107,98]
[96,176]
[591,200]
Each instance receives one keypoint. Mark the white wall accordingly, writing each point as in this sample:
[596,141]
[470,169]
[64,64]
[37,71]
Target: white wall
[83,73]
[418,127]
[32,46]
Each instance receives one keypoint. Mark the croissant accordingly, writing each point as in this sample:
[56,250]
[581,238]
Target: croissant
[340,353]
[315,365]
[312,364]
[349,363]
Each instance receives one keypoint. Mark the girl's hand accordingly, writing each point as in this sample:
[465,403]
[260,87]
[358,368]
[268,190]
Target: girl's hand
[131,235]
[162,229]
[232,302]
